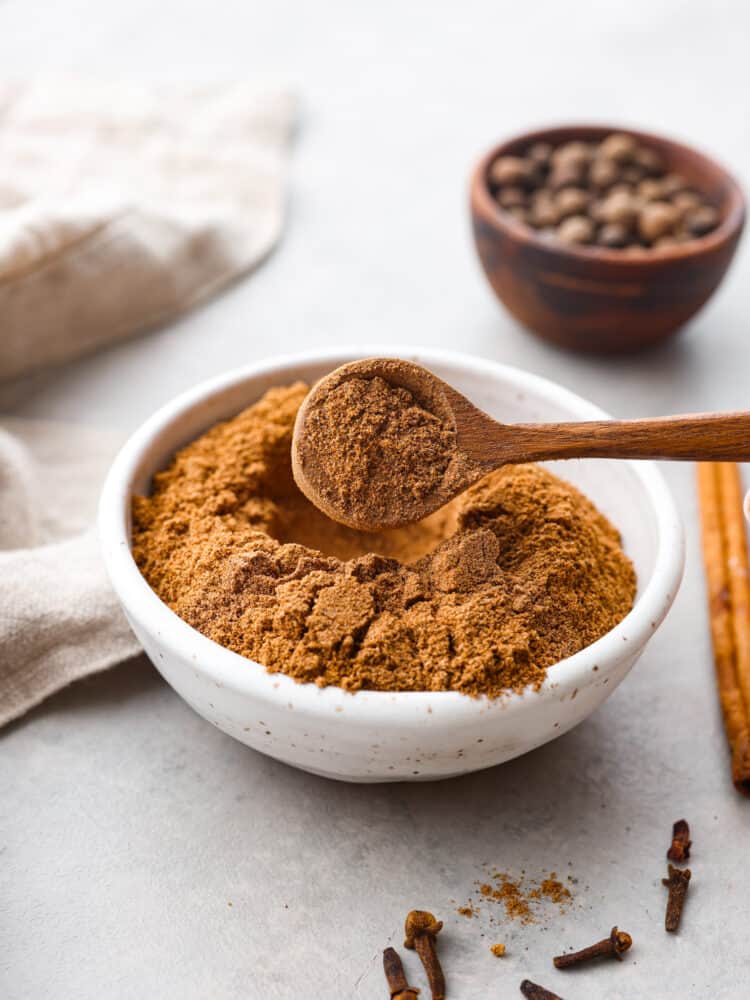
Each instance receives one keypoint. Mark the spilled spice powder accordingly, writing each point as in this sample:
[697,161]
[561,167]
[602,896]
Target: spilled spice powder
[516,574]
[510,894]
[521,897]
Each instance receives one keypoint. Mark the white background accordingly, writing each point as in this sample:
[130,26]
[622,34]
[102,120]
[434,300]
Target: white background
[128,825]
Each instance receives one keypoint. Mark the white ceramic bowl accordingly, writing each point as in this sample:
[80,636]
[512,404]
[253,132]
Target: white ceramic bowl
[374,735]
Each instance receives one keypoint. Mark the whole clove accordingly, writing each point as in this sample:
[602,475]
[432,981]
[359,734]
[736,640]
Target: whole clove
[421,930]
[681,842]
[534,992]
[677,883]
[394,974]
[612,946]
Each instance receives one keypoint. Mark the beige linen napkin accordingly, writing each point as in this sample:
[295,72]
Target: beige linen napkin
[59,618]
[123,205]
[120,206]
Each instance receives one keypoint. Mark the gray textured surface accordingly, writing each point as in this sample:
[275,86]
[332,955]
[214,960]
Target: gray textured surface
[128,825]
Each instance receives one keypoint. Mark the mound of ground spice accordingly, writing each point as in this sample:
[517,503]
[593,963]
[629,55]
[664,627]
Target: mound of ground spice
[514,575]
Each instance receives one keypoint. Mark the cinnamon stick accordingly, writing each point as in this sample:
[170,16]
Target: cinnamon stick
[728,582]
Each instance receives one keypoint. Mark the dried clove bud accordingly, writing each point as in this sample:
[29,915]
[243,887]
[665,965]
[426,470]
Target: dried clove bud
[421,930]
[394,974]
[533,992]
[680,847]
[677,883]
[612,946]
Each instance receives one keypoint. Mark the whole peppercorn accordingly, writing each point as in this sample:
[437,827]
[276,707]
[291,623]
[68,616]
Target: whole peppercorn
[651,190]
[614,193]
[632,174]
[619,206]
[571,201]
[576,229]
[621,188]
[657,218]
[540,153]
[649,161]
[613,235]
[518,212]
[618,147]
[604,173]
[512,170]
[576,154]
[509,197]
[672,184]
[702,221]
[686,202]
[566,175]
[543,209]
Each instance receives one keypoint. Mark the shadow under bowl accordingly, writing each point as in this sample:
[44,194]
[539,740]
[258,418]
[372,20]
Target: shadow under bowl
[595,299]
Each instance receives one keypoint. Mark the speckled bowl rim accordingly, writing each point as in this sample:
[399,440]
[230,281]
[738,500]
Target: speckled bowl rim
[387,708]
[728,229]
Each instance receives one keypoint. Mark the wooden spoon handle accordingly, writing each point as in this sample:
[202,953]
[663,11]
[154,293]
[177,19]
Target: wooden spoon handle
[701,437]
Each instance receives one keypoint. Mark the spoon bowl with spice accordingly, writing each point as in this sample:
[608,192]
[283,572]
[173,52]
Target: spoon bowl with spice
[383,442]
[601,239]
[220,584]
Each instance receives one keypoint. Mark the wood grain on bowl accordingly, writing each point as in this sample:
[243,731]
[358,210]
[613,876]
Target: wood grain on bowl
[596,299]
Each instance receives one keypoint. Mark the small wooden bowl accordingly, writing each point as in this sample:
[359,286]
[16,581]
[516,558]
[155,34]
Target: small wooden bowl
[595,299]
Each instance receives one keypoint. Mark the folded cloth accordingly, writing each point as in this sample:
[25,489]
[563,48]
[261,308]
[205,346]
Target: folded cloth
[120,206]
[59,618]
[123,205]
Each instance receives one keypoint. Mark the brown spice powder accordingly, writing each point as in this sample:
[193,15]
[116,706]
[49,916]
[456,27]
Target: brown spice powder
[520,896]
[514,575]
[510,894]
[374,453]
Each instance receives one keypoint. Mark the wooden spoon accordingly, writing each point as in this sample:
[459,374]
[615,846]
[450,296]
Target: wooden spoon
[483,444]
